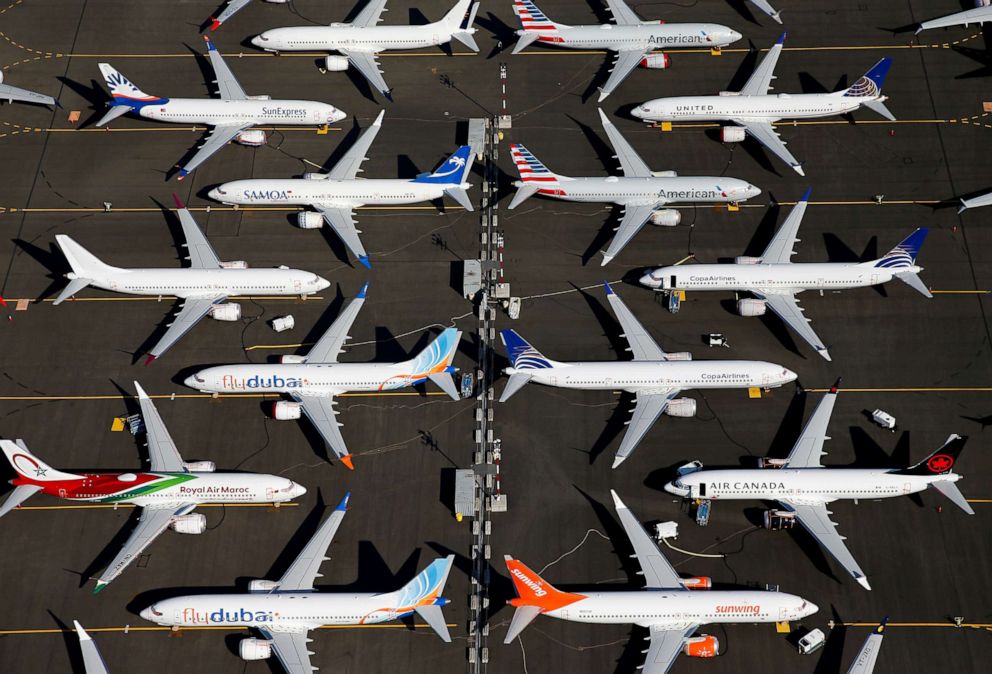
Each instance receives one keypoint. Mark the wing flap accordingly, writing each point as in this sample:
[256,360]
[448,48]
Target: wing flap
[631,163]
[816,520]
[291,650]
[201,254]
[808,449]
[342,221]
[305,568]
[218,137]
[162,451]
[625,63]
[634,217]
[647,409]
[365,62]
[371,13]
[786,307]
[320,412]
[349,165]
[664,648]
[658,572]
[760,81]
[152,522]
[642,345]
[622,14]
[330,344]
[782,246]
[192,311]
[228,87]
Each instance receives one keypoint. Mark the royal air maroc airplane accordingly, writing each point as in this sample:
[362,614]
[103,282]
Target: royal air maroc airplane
[667,605]
[284,611]
[167,494]
[10,94]
[979,15]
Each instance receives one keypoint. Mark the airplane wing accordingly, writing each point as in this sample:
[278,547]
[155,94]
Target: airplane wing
[815,518]
[634,217]
[622,14]
[647,408]
[371,14]
[978,15]
[658,572]
[92,661]
[782,246]
[233,7]
[665,645]
[227,84]
[763,132]
[808,449]
[305,568]
[864,663]
[153,522]
[365,62]
[162,450]
[218,137]
[193,309]
[641,343]
[329,345]
[631,163]
[349,165]
[786,306]
[201,253]
[320,411]
[291,650]
[626,61]
[761,79]
[341,220]
[767,8]
[11,94]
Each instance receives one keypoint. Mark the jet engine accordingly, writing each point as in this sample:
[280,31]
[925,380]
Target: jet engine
[262,585]
[678,355]
[697,583]
[251,138]
[292,360]
[983,3]
[309,220]
[278,2]
[703,646]
[681,407]
[667,217]
[656,61]
[284,410]
[259,97]
[200,466]
[336,64]
[194,523]
[747,259]
[732,134]
[750,307]
[229,311]
[664,174]
[234,264]
[261,649]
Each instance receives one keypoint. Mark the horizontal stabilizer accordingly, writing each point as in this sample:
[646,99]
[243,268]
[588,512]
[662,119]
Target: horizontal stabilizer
[912,279]
[525,40]
[524,193]
[20,494]
[445,382]
[516,382]
[951,491]
[74,286]
[466,39]
[433,616]
[523,616]
[114,112]
[461,196]
[879,107]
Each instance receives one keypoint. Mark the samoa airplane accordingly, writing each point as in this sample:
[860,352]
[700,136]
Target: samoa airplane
[92,660]
[313,380]
[633,41]
[980,14]
[765,7]
[752,111]
[167,493]
[864,662]
[670,606]
[804,486]
[203,287]
[336,194]
[653,376]
[230,117]
[10,94]
[775,281]
[284,611]
[360,42]
[643,193]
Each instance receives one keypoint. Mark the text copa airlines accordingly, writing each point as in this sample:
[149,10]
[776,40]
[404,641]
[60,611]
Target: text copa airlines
[725,375]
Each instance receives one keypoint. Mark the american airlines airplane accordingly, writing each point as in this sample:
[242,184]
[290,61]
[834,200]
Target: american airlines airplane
[359,43]
[643,193]
[92,660]
[804,486]
[203,287]
[635,42]
[284,611]
[864,662]
[313,380]
[979,15]
[166,495]
[336,194]
[752,110]
[10,94]
[653,376]
[775,281]
[765,7]
[231,116]
[669,606]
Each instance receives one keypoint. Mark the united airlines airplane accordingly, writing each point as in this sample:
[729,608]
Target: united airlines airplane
[10,94]
[979,15]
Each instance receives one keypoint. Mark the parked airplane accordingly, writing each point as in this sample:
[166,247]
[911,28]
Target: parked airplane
[864,663]
[670,606]
[752,110]
[359,43]
[285,611]
[232,8]
[336,194]
[980,14]
[167,494]
[643,193]
[10,94]
[231,116]
[975,202]
[775,281]
[92,660]
[766,7]
[203,287]
[802,485]
[653,376]
[635,42]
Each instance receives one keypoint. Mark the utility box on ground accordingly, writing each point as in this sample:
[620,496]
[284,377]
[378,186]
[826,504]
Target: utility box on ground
[464,493]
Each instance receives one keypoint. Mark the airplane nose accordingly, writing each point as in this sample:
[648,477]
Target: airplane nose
[639,112]
[322,283]
[649,281]
[338,115]
[298,490]
[753,191]
[788,375]
[735,36]
[147,614]
[811,608]
[191,382]
[214,194]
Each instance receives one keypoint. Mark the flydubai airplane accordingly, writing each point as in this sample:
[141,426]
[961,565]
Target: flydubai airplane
[313,380]
[231,116]
[653,376]
[979,15]
[10,94]
[765,7]
[336,194]
[167,494]
[643,193]
[634,41]
[203,287]
[802,485]
[284,611]
[92,660]
[752,110]
[670,606]
[775,281]
[359,43]
[864,662]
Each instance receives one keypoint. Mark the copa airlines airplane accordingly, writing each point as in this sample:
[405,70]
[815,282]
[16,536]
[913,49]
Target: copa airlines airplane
[804,486]
[767,8]
[231,116]
[775,281]
[670,606]
[203,287]
[642,192]
[167,494]
[653,376]
[752,110]
[361,41]
[980,14]
[634,42]
[285,611]
[10,94]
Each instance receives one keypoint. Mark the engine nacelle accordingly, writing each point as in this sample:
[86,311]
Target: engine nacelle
[315,176]
[681,407]
[747,259]
[259,97]
[284,410]
[200,466]
[732,134]
[229,311]
[309,220]
[194,523]
[336,64]
[697,583]
[667,217]
[251,138]
[262,585]
[983,3]
[656,61]
[703,646]
[664,174]
[678,355]
[255,649]
[278,2]
[292,360]
[234,264]
[751,307]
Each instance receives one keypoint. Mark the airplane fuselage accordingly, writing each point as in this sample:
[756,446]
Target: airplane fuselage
[769,108]
[302,192]
[223,112]
[312,379]
[346,37]
[648,35]
[664,190]
[769,277]
[198,282]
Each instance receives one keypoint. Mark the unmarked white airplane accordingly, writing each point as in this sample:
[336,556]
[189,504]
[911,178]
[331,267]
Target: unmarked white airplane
[667,605]
[653,376]
[10,94]
[92,660]
[752,110]
[980,14]
[231,116]
[764,6]
[864,662]
[775,281]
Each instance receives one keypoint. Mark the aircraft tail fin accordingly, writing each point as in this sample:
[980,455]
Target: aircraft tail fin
[453,171]
[904,254]
[534,597]
[124,91]
[534,175]
[533,20]
[85,267]
[870,84]
[434,362]
[522,354]
[29,467]
[422,595]
[465,21]
[941,461]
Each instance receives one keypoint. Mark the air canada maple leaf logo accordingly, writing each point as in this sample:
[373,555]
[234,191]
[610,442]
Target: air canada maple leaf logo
[939,463]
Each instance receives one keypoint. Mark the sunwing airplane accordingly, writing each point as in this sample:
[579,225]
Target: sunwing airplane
[634,41]
[10,94]
[752,110]
[203,287]
[979,15]
[653,376]
[643,193]
[775,281]
[765,7]
[804,486]
[231,116]
[284,611]
[92,660]
[666,605]
[864,662]
[167,494]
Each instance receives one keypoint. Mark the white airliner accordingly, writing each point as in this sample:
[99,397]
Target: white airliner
[232,8]
[775,281]
[979,15]
[313,380]
[864,662]
[203,287]
[635,42]
[284,611]
[752,110]
[975,202]
[359,43]
[804,486]
[643,193]
[653,376]
[667,605]
[231,116]
[10,94]
[167,494]
[336,194]
[92,660]
[765,7]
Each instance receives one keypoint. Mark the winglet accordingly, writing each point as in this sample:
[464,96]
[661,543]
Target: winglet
[346,460]
[179,203]
[182,174]
[83,636]
[806,194]
[149,359]
[99,586]
[836,386]
[781,38]
[361,293]
[344,502]
[378,120]
[881,626]
[140,391]
[609,290]
[617,503]
[214,24]
[210,45]
[364,261]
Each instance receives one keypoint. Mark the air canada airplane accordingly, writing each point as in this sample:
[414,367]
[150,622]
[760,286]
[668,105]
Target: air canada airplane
[10,94]
[979,15]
